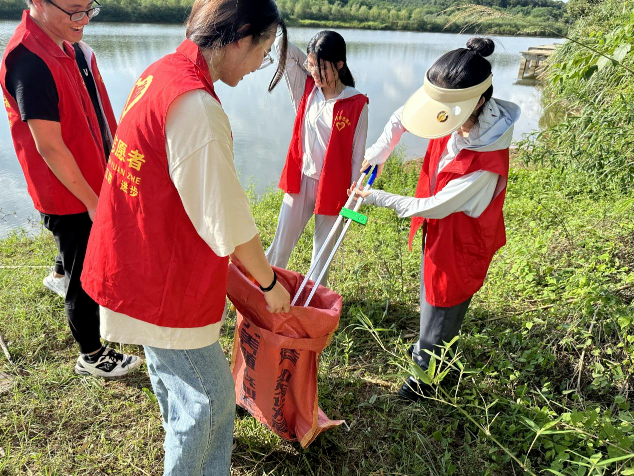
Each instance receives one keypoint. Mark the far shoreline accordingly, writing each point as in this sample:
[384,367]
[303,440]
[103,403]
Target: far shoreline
[330,25]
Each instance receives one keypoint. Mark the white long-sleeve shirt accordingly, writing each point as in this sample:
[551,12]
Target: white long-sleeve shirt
[471,193]
[379,152]
[469,196]
[317,127]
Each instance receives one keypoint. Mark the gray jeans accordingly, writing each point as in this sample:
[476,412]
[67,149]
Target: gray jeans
[437,324]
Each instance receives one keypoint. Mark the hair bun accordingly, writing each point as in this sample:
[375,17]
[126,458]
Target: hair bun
[482,46]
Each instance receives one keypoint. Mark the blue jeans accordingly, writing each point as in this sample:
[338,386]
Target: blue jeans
[196,395]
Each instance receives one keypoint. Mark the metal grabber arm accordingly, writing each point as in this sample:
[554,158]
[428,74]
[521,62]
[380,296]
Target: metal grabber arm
[350,216]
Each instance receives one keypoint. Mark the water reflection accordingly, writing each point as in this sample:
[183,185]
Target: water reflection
[387,66]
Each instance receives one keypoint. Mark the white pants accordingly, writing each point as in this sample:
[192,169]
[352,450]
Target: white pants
[297,208]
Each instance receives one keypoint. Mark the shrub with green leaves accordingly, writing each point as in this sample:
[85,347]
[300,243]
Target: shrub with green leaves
[588,100]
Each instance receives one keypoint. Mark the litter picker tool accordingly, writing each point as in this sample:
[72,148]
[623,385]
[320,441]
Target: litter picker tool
[349,215]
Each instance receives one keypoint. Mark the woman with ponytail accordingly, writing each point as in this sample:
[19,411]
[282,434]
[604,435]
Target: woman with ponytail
[460,193]
[327,146]
[171,213]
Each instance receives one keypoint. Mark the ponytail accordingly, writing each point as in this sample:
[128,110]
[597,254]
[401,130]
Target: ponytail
[464,67]
[345,76]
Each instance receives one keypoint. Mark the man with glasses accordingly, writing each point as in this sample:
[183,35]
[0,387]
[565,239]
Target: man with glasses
[63,126]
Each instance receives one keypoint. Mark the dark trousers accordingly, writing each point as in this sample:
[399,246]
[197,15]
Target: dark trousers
[71,234]
[437,324]
[59,266]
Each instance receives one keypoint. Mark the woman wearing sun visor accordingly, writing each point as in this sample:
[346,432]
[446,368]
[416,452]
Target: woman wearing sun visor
[461,189]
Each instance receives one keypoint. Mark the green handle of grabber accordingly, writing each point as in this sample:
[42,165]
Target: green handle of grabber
[354,216]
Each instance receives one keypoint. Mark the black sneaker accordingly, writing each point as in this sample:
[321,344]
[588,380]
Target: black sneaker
[109,364]
[414,390]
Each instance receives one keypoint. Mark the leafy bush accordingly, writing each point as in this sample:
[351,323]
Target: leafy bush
[595,132]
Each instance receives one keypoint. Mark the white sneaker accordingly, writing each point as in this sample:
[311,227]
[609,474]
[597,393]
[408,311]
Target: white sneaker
[57,285]
[110,364]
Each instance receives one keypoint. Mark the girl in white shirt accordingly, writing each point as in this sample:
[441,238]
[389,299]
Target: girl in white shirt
[461,191]
[315,177]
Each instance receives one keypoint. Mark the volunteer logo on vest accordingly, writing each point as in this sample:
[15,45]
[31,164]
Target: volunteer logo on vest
[140,88]
[129,181]
[341,121]
[9,112]
[442,116]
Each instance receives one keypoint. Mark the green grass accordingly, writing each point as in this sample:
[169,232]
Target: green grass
[557,304]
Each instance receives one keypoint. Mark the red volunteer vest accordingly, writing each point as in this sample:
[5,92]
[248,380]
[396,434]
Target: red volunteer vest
[145,258]
[80,128]
[336,173]
[458,249]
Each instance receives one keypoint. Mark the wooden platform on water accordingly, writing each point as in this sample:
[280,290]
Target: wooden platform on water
[532,63]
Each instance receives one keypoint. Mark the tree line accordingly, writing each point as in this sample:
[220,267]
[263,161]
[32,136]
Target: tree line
[544,16]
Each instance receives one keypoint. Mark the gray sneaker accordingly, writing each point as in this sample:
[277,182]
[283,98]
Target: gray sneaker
[57,285]
[109,364]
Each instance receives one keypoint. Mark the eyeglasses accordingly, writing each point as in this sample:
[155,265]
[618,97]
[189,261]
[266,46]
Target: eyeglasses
[76,16]
[312,67]
[267,61]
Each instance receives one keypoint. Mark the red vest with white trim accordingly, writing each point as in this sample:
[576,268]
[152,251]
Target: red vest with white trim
[336,173]
[145,258]
[78,121]
[458,249]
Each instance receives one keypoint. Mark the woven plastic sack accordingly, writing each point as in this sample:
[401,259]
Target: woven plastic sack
[276,356]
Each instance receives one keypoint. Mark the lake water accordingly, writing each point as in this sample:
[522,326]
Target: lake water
[388,67]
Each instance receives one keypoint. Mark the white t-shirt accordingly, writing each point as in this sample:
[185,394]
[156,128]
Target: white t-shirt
[200,161]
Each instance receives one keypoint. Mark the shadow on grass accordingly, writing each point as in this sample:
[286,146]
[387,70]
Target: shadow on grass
[380,433]
[397,316]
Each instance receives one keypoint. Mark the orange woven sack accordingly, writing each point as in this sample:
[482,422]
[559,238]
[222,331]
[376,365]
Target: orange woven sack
[276,356]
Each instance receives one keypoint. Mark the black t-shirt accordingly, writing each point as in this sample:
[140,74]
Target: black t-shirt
[31,84]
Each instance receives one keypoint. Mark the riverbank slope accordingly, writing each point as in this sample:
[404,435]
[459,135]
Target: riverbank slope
[547,341]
